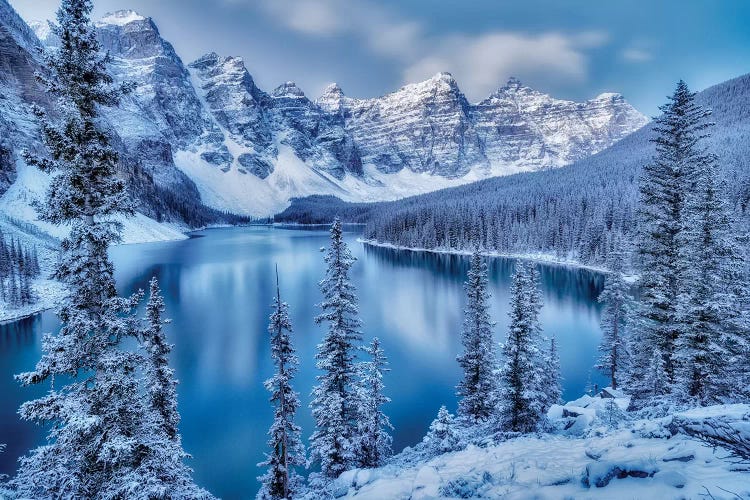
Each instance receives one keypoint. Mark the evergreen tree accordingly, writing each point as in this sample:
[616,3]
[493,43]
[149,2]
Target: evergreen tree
[551,372]
[477,388]
[14,289]
[161,384]
[523,399]
[443,436]
[4,492]
[664,188]
[334,402]
[655,380]
[373,425]
[287,451]
[712,299]
[614,296]
[102,441]
[611,414]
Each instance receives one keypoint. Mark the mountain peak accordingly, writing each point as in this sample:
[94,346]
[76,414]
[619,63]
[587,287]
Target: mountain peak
[206,61]
[333,89]
[331,99]
[444,76]
[608,96]
[513,83]
[442,82]
[121,18]
[288,89]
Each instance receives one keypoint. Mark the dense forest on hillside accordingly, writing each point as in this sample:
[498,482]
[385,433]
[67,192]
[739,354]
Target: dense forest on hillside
[580,212]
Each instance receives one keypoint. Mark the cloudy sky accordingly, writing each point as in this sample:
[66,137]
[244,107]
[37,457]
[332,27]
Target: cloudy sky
[573,49]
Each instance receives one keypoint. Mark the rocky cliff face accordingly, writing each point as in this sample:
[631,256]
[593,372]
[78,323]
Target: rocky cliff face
[236,104]
[430,127]
[163,113]
[530,130]
[206,131]
[259,121]
[424,127]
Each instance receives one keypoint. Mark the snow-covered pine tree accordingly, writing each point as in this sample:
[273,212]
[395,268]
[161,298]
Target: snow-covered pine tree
[4,492]
[664,188]
[477,389]
[655,378]
[334,402]
[374,445]
[711,305]
[160,382]
[523,399]
[615,297]
[281,481]
[551,373]
[102,442]
[444,435]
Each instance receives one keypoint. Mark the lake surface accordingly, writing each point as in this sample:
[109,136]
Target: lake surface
[218,288]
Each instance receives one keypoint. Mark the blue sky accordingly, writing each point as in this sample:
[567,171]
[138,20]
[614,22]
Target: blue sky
[572,49]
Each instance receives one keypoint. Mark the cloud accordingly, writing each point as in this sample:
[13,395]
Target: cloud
[308,16]
[480,62]
[636,55]
[383,33]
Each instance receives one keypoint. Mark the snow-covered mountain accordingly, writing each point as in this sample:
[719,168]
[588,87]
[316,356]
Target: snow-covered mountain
[431,127]
[204,132]
[526,129]
[418,139]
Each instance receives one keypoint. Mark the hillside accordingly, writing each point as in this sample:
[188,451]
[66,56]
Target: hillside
[574,213]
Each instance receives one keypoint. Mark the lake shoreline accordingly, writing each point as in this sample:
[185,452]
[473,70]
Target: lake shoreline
[51,295]
[540,258]
[50,292]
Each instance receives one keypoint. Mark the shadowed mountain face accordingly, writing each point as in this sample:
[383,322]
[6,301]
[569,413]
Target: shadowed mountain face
[207,132]
[19,53]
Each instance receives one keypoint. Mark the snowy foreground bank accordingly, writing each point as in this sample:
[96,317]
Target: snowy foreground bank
[595,452]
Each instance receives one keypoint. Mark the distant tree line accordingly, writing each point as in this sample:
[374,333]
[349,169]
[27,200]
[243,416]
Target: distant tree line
[166,205]
[19,265]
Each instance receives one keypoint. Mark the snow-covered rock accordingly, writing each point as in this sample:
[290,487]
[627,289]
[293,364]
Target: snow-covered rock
[422,127]
[163,113]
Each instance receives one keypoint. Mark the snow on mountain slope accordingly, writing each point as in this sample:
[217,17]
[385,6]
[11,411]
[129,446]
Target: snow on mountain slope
[424,127]
[430,127]
[163,113]
[290,177]
[523,129]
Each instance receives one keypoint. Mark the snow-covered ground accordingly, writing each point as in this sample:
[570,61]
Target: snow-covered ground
[49,294]
[596,452]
